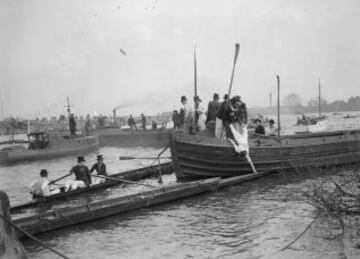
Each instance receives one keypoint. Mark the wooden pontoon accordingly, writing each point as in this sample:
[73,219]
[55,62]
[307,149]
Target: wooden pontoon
[133,175]
[200,157]
[66,217]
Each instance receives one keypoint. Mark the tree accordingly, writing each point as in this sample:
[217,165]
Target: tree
[314,102]
[292,100]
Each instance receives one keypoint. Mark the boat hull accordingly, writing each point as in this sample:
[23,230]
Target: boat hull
[201,157]
[73,147]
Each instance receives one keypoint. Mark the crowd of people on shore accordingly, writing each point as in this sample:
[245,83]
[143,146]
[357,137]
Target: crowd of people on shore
[41,187]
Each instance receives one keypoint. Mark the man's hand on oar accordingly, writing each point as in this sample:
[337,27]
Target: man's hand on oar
[123,180]
[62,177]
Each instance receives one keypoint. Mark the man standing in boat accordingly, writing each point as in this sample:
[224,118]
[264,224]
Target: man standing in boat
[132,122]
[82,175]
[100,168]
[213,107]
[223,116]
[40,187]
[188,115]
[200,113]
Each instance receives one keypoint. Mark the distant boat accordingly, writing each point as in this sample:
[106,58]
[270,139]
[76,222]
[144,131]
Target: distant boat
[337,113]
[351,116]
[314,124]
[44,145]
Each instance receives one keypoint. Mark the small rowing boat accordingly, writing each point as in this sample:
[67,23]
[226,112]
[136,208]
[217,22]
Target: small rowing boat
[132,175]
[65,217]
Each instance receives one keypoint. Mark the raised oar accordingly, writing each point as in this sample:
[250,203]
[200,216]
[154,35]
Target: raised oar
[62,177]
[123,180]
[237,49]
[131,157]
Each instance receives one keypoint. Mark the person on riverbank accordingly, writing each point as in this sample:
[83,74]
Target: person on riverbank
[143,121]
[132,123]
[82,175]
[188,115]
[100,169]
[87,124]
[40,187]
[72,125]
[176,119]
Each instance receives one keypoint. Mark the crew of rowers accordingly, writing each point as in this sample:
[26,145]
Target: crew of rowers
[218,118]
[83,178]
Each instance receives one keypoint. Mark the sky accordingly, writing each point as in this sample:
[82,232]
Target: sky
[138,54]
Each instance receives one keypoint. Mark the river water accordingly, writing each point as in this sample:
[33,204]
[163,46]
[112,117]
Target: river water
[252,220]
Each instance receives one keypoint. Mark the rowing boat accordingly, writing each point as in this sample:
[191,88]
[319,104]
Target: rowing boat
[133,175]
[197,157]
[66,217]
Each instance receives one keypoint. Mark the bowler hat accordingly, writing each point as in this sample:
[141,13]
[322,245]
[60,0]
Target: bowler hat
[43,172]
[80,159]
[216,95]
[183,98]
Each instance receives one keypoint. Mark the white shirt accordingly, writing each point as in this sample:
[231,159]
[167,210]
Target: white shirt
[40,187]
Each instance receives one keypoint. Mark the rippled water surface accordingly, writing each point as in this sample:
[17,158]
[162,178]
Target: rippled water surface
[253,220]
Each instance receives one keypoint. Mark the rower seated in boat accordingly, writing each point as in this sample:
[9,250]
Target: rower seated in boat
[40,187]
[273,131]
[100,169]
[82,175]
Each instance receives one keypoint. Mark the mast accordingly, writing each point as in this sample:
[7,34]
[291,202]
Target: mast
[278,103]
[68,105]
[319,99]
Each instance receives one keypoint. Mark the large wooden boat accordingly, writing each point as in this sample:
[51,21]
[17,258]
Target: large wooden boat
[48,145]
[132,175]
[200,156]
[132,138]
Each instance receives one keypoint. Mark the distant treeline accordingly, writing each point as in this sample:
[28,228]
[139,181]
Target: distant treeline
[292,105]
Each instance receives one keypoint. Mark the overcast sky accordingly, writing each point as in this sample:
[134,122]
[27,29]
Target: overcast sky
[51,49]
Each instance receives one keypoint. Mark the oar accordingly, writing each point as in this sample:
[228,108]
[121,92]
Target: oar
[131,157]
[237,48]
[123,180]
[62,177]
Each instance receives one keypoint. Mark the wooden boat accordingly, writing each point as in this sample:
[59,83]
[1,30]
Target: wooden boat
[127,138]
[66,217]
[46,146]
[133,175]
[200,156]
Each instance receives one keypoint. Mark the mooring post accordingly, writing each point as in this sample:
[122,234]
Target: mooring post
[10,246]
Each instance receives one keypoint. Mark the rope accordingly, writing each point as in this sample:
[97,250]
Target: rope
[301,234]
[33,238]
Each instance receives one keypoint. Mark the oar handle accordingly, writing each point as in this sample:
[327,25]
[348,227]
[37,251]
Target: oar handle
[52,182]
[123,180]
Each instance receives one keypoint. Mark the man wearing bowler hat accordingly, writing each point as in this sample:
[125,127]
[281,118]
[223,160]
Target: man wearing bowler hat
[82,175]
[100,169]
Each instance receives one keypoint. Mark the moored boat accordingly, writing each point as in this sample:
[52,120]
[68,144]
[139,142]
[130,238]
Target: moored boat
[48,145]
[201,157]
[132,175]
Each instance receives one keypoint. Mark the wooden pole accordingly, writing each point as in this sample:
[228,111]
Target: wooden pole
[278,103]
[195,73]
[237,49]
[319,99]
